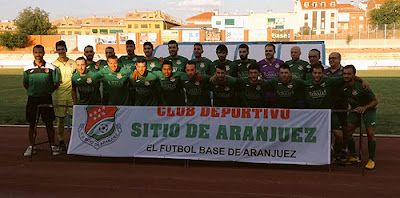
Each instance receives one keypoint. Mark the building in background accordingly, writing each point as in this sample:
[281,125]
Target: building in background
[351,20]
[6,25]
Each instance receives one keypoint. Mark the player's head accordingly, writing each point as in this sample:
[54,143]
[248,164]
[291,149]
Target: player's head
[334,59]
[295,53]
[148,49]
[81,65]
[254,72]
[61,48]
[222,52]
[197,50]
[190,69]
[173,48]
[141,66]
[130,47]
[313,56]
[284,72]
[349,72]
[112,62]
[243,51]
[317,72]
[269,51]
[89,52]
[38,52]
[109,51]
[167,68]
[220,72]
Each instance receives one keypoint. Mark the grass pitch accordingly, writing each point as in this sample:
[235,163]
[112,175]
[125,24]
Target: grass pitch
[385,84]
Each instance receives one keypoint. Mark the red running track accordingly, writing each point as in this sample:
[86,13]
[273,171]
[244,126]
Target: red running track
[78,176]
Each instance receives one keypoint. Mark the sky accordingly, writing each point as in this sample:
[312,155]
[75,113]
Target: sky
[179,9]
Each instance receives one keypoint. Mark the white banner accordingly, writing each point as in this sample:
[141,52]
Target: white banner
[258,35]
[123,37]
[84,40]
[190,36]
[203,133]
[234,35]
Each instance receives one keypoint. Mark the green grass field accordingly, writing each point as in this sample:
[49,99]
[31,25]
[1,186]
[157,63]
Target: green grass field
[385,84]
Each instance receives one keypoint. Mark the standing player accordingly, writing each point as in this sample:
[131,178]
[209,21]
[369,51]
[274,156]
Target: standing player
[289,92]
[89,54]
[63,94]
[297,66]
[116,82]
[178,62]
[203,64]
[197,91]
[170,90]
[364,103]
[109,51]
[144,83]
[130,59]
[86,83]
[153,63]
[239,68]
[224,88]
[269,67]
[314,57]
[252,90]
[222,52]
[40,79]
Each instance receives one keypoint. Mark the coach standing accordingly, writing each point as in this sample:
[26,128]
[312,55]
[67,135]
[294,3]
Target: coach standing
[40,79]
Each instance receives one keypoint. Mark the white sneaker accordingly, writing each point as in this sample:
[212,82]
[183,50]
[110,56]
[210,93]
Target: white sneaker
[55,150]
[29,151]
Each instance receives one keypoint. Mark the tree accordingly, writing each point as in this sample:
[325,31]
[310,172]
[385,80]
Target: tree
[349,38]
[14,39]
[388,13]
[34,22]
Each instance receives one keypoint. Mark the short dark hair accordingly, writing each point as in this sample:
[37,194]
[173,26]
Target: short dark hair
[81,58]
[351,67]
[317,66]
[190,63]
[149,44]
[221,67]
[198,44]
[173,42]
[271,45]
[109,47]
[141,60]
[254,66]
[316,50]
[244,46]
[61,43]
[221,47]
[166,62]
[129,42]
[112,57]
[284,66]
[88,46]
[38,47]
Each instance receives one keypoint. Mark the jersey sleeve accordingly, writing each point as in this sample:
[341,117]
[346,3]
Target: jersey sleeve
[56,75]
[25,78]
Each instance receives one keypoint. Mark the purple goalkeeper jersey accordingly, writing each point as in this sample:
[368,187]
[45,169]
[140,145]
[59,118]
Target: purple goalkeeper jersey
[269,71]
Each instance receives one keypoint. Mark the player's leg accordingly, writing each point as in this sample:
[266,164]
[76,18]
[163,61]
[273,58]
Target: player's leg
[370,123]
[48,116]
[353,120]
[338,134]
[31,116]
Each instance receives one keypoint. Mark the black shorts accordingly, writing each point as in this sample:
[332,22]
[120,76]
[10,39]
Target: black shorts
[47,113]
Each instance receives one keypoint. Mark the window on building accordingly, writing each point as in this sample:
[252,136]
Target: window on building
[77,32]
[62,24]
[322,25]
[314,4]
[218,22]
[87,22]
[69,32]
[129,26]
[157,26]
[306,24]
[306,4]
[103,31]
[346,26]
[280,27]
[353,26]
[361,18]
[322,32]
[87,33]
[62,32]
[360,26]
[332,24]
[94,31]
[332,4]
[116,31]
[136,26]
[332,31]
[332,15]
[305,16]
[323,4]
[353,17]
[143,26]
[70,24]
[149,25]
[229,21]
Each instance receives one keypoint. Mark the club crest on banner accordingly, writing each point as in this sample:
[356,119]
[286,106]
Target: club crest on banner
[100,128]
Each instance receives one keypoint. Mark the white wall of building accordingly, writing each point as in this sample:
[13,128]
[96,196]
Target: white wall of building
[224,22]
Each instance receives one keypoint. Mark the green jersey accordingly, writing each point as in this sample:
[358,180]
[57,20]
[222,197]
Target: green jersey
[197,93]
[224,94]
[40,80]
[116,86]
[203,66]
[170,89]
[227,64]
[153,64]
[178,63]
[322,95]
[357,95]
[239,68]
[130,62]
[145,90]
[252,95]
[288,95]
[92,67]
[87,87]
[298,68]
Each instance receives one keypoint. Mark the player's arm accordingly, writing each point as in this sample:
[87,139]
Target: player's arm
[56,77]
[74,97]
[365,84]
[370,105]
